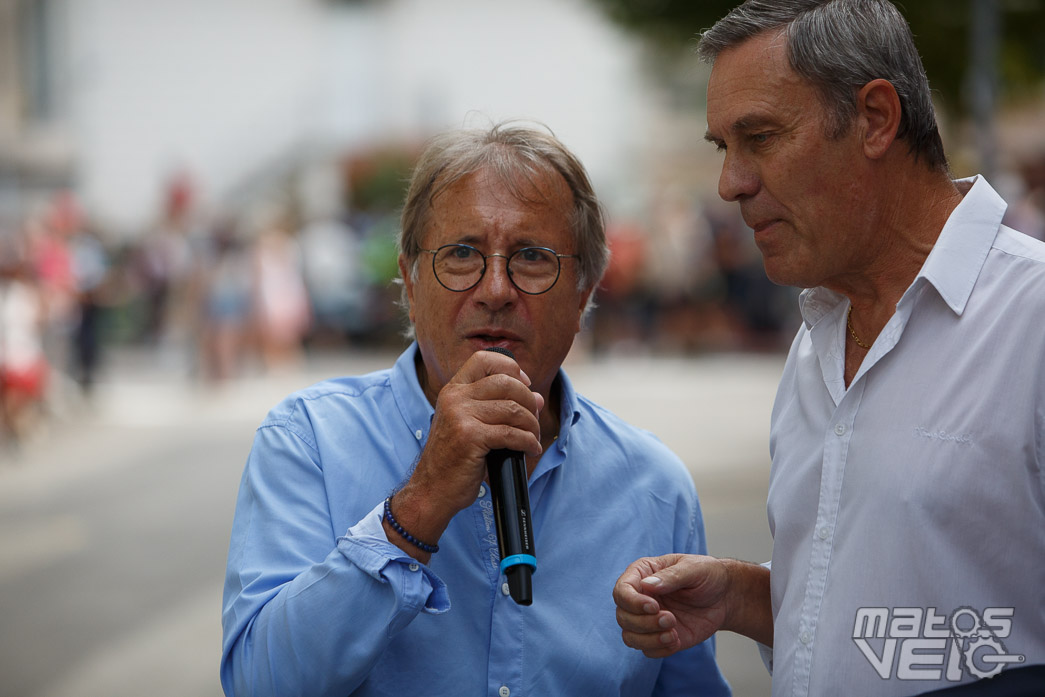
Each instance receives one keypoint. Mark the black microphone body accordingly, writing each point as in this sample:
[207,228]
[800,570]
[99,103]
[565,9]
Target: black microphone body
[511,507]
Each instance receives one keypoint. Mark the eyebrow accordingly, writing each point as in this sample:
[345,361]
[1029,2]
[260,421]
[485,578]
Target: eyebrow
[474,240]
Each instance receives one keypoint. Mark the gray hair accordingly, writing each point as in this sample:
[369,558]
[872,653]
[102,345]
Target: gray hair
[517,155]
[839,46]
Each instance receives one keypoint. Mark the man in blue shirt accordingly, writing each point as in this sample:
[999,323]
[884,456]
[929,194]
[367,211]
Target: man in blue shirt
[364,555]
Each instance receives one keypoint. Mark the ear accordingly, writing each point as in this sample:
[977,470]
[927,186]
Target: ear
[408,283]
[878,108]
[580,310]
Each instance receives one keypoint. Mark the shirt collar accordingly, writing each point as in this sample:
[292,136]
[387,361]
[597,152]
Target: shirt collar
[958,255]
[568,411]
[954,263]
[411,399]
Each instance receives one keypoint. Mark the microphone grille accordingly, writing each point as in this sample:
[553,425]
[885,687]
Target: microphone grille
[502,351]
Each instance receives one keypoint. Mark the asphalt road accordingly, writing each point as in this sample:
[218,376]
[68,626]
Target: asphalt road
[114,517]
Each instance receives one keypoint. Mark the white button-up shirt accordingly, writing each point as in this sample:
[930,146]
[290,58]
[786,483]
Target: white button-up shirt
[908,511]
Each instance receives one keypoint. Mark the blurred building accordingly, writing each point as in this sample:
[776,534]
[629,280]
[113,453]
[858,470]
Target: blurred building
[36,145]
[114,98]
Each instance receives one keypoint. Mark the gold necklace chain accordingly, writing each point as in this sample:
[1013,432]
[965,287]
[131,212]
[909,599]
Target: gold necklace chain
[852,332]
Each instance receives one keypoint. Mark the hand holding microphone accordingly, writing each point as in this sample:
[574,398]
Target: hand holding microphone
[511,505]
[468,441]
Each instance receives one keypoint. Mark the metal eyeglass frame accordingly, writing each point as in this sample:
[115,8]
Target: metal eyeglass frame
[507,260]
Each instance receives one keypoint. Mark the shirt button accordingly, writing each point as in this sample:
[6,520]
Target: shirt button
[823,533]
[418,434]
[482,490]
[504,691]
[805,637]
[504,589]
[840,429]
[413,567]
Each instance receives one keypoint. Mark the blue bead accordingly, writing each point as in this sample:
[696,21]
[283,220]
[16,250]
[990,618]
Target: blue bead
[424,546]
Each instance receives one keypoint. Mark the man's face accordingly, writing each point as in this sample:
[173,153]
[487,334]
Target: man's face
[480,211]
[798,189]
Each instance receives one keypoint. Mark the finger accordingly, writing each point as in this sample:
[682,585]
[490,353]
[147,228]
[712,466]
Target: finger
[493,400]
[627,593]
[503,436]
[653,645]
[670,647]
[670,573]
[484,363]
[646,623]
[501,386]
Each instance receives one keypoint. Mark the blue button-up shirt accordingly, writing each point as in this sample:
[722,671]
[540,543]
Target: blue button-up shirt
[317,600]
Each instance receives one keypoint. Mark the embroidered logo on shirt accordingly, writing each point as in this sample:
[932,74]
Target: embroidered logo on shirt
[491,533]
[944,436]
[932,646]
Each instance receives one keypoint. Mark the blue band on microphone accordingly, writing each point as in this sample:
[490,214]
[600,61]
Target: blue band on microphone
[516,559]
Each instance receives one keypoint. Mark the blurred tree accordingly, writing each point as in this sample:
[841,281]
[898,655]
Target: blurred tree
[941,29]
[377,178]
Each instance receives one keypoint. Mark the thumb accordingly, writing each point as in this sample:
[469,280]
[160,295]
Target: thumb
[670,578]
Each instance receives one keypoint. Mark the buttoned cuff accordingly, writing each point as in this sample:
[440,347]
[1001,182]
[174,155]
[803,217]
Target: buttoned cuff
[367,546]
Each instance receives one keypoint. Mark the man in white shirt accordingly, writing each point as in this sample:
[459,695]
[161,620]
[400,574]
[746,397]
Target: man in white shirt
[907,492]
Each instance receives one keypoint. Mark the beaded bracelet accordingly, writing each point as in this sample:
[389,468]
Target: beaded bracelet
[424,546]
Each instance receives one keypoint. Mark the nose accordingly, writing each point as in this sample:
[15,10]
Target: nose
[495,288]
[739,178]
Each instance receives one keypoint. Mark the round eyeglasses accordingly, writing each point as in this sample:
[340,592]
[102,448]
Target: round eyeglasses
[460,267]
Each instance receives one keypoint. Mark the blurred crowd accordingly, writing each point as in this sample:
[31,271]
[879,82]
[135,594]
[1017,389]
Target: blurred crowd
[216,298]
[688,280]
[208,299]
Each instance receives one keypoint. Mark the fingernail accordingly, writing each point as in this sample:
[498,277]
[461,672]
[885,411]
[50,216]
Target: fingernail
[664,622]
[666,638]
[649,608]
[651,581]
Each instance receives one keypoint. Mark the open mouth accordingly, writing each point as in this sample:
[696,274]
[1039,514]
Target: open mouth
[488,340]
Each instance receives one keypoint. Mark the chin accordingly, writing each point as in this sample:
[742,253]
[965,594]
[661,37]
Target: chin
[782,273]
[778,276]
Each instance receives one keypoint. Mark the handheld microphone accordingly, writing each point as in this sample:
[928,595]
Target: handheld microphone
[511,507]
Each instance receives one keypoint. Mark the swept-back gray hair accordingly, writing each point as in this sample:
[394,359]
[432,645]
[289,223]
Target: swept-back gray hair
[839,46]
[517,155]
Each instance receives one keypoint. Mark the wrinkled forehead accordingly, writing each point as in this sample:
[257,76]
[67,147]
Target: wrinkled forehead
[751,82]
[485,206]
[543,192]
[532,183]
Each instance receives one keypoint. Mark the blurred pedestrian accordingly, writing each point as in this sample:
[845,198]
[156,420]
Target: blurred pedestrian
[169,263]
[618,320]
[908,434]
[363,511]
[334,274]
[24,367]
[89,265]
[227,281]
[1027,211]
[281,302]
[52,267]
